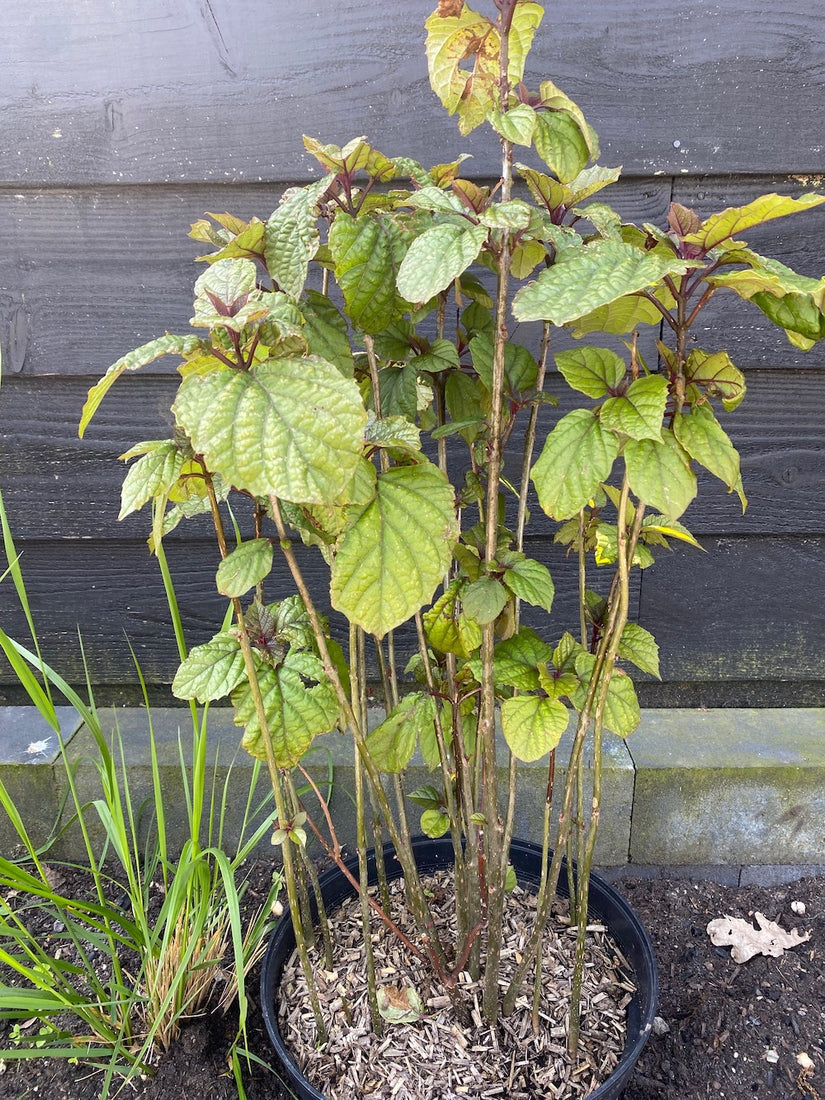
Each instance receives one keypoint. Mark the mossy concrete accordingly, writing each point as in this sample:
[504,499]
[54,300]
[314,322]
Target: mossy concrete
[29,750]
[689,789]
[731,787]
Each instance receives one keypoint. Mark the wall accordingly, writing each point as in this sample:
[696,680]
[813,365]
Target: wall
[122,123]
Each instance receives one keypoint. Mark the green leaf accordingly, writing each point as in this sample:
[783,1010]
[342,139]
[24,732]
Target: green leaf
[583,279]
[210,671]
[517,661]
[639,646]
[594,371]
[532,726]
[392,743]
[291,236]
[639,412]
[226,295]
[429,797]
[621,712]
[578,456]
[447,627]
[392,432]
[442,355]
[396,549]
[621,316]
[517,125]
[437,257]
[133,360]
[515,215]
[293,427]
[241,570]
[326,331]
[398,388]
[736,219]
[356,156]
[520,368]
[530,581]
[484,600]
[299,703]
[659,473]
[705,440]
[561,144]
[367,253]
[434,823]
[153,474]
[717,376]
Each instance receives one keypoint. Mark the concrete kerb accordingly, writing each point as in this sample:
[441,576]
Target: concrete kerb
[732,795]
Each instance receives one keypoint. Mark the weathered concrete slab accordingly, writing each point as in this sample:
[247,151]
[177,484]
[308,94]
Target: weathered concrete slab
[741,787]
[330,764]
[29,762]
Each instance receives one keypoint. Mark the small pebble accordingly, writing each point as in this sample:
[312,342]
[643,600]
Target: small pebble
[804,1061]
[771,1056]
[798,907]
[660,1026]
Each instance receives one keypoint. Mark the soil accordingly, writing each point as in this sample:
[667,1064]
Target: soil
[728,1030]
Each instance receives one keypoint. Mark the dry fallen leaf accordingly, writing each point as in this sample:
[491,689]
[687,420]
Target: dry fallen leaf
[399,1006]
[747,941]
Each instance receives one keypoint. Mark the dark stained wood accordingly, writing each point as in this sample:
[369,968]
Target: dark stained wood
[137,266]
[181,90]
[113,594]
[749,609]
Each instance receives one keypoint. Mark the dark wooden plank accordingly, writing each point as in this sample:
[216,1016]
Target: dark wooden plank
[798,241]
[112,593]
[172,90]
[750,609]
[137,267]
[57,486]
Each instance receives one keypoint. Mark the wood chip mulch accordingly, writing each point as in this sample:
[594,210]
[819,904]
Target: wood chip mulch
[434,1058]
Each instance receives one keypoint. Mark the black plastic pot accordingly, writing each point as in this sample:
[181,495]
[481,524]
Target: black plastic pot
[431,855]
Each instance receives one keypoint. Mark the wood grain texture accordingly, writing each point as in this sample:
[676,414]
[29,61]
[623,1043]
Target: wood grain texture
[175,90]
[112,593]
[88,274]
[747,610]
[57,486]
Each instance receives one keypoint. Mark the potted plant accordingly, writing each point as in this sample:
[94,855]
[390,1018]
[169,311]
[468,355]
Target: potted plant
[352,387]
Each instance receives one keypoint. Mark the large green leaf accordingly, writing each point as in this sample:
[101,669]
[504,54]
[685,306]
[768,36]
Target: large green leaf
[520,368]
[705,440]
[638,413]
[577,457]
[561,144]
[133,360]
[623,315]
[156,472]
[659,473]
[639,646]
[516,661]
[396,549]
[436,258]
[241,570]
[736,219]
[210,671]
[484,599]
[532,726]
[299,703]
[392,743]
[293,427]
[594,371]
[325,331]
[291,238]
[367,252]
[583,279]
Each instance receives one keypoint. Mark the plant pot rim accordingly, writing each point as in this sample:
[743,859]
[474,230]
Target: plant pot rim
[605,903]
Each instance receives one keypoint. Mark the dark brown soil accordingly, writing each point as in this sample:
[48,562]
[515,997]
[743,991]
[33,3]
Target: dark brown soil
[723,1018]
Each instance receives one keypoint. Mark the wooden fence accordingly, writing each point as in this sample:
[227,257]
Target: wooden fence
[120,124]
